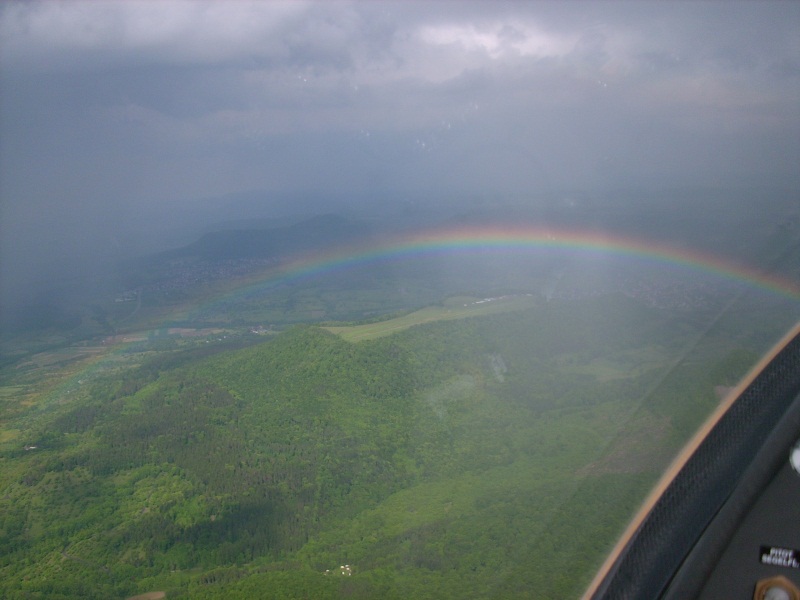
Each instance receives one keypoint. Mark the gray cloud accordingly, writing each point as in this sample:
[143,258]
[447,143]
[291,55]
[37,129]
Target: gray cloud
[114,112]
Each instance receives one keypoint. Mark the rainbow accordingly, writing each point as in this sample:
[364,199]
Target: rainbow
[463,240]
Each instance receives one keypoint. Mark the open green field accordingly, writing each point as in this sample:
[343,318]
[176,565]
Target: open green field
[470,307]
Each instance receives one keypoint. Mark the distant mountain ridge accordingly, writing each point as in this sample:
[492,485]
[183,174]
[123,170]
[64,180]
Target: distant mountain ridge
[310,235]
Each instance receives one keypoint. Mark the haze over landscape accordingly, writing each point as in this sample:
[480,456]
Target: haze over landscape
[130,127]
[365,299]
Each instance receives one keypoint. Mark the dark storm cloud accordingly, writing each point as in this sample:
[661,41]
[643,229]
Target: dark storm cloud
[117,116]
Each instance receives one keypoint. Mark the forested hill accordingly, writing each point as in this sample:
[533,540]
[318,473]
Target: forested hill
[451,460]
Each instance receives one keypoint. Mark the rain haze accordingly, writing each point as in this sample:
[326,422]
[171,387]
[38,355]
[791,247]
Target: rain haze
[129,127]
[388,300]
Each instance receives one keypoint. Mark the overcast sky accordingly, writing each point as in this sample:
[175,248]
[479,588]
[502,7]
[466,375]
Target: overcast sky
[114,111]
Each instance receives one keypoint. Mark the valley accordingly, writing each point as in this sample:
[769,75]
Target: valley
[473,425]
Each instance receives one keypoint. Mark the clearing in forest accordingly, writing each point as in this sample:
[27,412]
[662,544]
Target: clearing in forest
[469,307]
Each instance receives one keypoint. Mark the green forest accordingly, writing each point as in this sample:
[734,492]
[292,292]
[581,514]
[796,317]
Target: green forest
[494,456]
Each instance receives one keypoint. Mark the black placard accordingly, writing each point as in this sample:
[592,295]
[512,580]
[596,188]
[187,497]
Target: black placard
[780,557]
